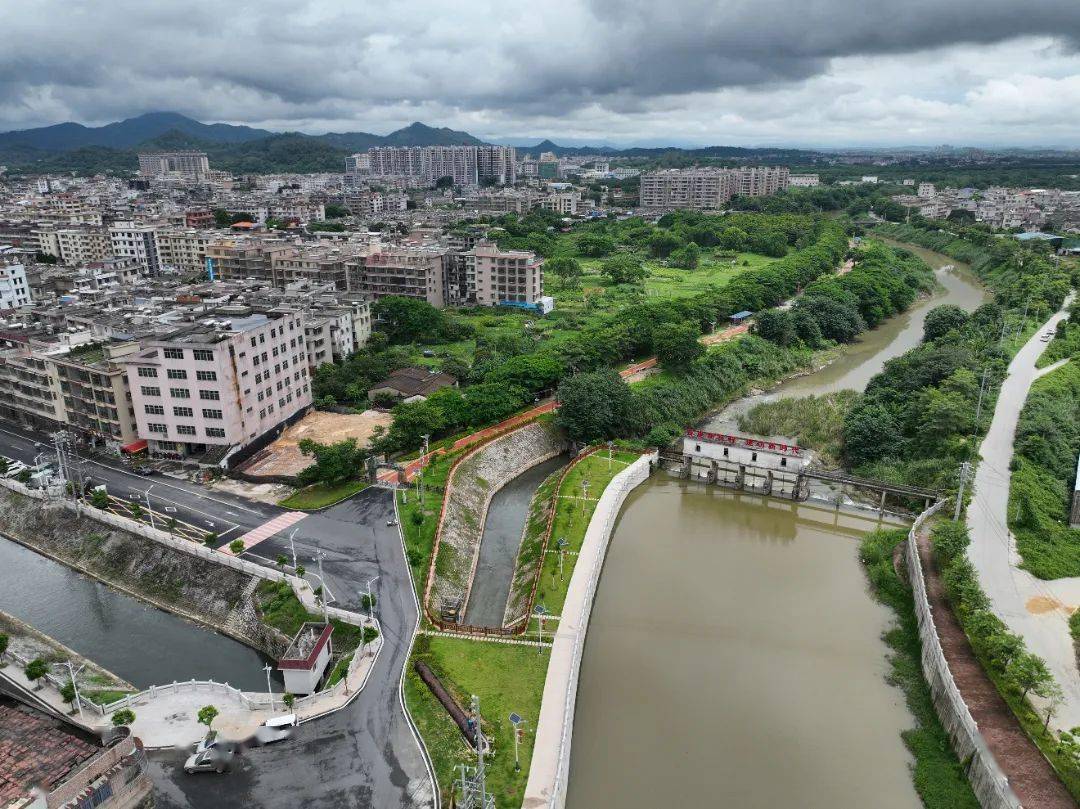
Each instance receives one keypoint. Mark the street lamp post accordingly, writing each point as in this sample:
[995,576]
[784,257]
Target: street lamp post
[423,463]
[540,611]
[322,584]
[149,510]
[293,546]
[371,598]
[517,722]
[269,694]
[72,672]
[561,544]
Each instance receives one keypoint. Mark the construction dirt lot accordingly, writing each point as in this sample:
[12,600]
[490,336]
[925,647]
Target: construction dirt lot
[283,457]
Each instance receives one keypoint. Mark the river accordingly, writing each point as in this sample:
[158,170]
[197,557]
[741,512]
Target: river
[734,654]
[140,643]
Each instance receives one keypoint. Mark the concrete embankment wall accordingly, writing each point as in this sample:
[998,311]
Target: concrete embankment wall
[550,770]
[474,481]
[989,783]
[216,595]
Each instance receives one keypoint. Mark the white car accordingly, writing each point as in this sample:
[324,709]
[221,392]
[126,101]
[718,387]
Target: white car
[275,729]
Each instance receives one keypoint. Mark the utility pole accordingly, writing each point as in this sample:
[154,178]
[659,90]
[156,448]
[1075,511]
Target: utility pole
[269,694]
[965,469]
[423,463]
[982,389]
[72,672]
[472,784]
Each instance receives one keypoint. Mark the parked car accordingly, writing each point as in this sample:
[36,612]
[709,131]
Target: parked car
[275,729]
[145,471]
[207,742]
[214,759]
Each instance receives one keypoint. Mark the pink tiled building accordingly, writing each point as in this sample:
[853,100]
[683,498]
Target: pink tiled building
[214,387]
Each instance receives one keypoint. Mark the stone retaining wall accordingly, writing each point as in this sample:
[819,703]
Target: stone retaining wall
[469,489]
[988,782]
[213,594]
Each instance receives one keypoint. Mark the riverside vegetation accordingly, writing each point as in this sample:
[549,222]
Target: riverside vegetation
[915,423]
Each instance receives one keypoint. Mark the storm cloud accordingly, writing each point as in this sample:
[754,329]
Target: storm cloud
[812,71]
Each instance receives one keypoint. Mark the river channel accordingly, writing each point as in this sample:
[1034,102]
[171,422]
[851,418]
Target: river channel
[734,655]
[142,644]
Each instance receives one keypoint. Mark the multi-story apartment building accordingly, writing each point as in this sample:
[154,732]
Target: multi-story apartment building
[358,164]
[237,259]
[183,249]
[709,188]
[803,180]
[139,242]
[564,203]
[73,245]
[465,165]
[94,391]
[30,389]
[319,265]
[214,387]
[184,163]
[412,272]
[504,276]
[14,291]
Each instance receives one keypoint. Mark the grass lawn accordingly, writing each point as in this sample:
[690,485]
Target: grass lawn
[281,609]
[321,495]
[507,679]
[104,696]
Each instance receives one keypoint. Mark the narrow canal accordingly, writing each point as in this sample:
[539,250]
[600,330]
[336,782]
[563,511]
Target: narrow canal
[144,645]
[734,655]
[499,545]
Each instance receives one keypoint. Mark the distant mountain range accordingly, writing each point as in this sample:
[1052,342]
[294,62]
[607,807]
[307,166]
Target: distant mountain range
[73,147]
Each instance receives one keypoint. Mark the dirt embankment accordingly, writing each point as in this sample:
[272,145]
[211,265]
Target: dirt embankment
[469,491]
[211,594]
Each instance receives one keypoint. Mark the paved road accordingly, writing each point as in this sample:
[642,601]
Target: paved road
[1037,610]
[366,754]
[363,756]
[224,513]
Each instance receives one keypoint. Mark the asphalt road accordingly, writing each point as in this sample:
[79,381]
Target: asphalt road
[228,515]
[363,756]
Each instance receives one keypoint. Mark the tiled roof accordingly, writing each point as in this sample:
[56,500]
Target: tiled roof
[36,750]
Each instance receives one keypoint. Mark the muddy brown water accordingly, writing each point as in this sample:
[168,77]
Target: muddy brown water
[734,655]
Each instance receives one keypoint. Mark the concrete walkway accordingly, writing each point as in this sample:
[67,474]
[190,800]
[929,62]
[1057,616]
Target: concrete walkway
[1035,609]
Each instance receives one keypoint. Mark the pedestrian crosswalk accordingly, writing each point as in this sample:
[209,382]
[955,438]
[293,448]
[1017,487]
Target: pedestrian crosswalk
[268,529]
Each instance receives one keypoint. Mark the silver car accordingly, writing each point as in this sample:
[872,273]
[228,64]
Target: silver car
[216,759]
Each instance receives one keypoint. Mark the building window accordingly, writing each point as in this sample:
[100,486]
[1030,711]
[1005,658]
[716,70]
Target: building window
[185,429]
[215,432]
[184,412]
[173,353]
[258,379]
[157,428]
[262,414]
[253,343]
[202,355]
[753,456]
[180,393]
[209,395]
[148,391]
[148,372]
[177,373]
[212,414]
[783,461]
[155,410]
[206,376]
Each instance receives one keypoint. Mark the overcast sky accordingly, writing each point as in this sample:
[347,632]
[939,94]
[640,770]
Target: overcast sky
[746,72]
